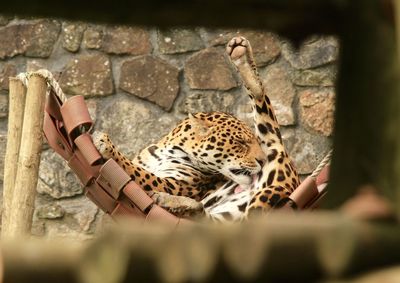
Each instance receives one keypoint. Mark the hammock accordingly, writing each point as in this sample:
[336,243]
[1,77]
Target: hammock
[67,124]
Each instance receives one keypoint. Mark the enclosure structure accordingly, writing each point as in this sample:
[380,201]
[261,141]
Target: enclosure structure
[366,136]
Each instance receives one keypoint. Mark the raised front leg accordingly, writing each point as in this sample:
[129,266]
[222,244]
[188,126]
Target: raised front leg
[160,189]
[279,177]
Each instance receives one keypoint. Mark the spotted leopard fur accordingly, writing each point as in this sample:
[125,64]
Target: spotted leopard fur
[216,158]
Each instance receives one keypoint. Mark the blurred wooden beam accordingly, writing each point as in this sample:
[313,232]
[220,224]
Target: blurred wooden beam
[280,247]
[295,18]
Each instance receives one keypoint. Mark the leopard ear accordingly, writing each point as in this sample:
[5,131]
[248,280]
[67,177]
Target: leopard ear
[200,126]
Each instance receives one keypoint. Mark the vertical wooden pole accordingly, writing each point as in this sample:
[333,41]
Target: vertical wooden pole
[21,210]
[367,130]
[15,118]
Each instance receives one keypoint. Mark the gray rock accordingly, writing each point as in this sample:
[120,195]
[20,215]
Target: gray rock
[78,223]
[93,37]
[209,69]
[152,79]
[207,102]
[315,52]
[180,40]
[281,92]
[56,179]
[132,125]
[39,38]
[33,38]
[50,211]
[126,40]
[9,70]
[72,34]
[266,46]
[88,75]
[3,105]
[321,77]
[317,109]
[305,149]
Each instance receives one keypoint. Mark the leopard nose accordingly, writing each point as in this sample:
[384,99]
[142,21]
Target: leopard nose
[260,161]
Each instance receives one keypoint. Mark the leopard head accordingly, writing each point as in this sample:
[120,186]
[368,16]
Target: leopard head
[220,143]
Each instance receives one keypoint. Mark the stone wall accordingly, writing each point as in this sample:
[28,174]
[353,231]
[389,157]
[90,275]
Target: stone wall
[139,82]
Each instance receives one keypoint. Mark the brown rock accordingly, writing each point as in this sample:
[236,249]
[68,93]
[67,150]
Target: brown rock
[126,40]
[281,92]
[317,110]
[315,52]
[209,69]
[265,45]
[152,79]
[34,39]
[10,43]
[3,105]
[9,70]
[93,37]
[72,34]
[88,75]
[179,40]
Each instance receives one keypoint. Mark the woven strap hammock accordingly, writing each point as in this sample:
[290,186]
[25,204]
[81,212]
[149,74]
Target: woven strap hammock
[67,124]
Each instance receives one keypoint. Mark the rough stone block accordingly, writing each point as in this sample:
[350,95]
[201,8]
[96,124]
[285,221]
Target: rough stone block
[180,40]
[281,92]
[320,77]
[152,79]
[317,110]
[126,40]
[207,102]
[315,52]
[55,177]
[88,75]
[34,38]
[306,150]
[72,34]
[209,69]
[9,70]
[134,124]
[93,37]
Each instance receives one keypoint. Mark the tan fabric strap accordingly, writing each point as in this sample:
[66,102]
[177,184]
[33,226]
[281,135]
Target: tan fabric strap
[113,178]
[86,147]
[139,197]
[305,192]
[75,114]
[157,214]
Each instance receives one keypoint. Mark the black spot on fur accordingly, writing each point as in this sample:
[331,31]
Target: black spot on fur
[274,199]
[242,207]
[262,128]
[272,155]
[271,177]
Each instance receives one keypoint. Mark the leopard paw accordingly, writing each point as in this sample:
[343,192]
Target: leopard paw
[179,205]
[103,144]
[237,47]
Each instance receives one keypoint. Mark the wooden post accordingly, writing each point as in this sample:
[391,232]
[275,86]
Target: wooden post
[15,118]
[22,207]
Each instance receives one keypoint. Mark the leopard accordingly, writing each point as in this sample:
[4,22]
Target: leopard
[213,164]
